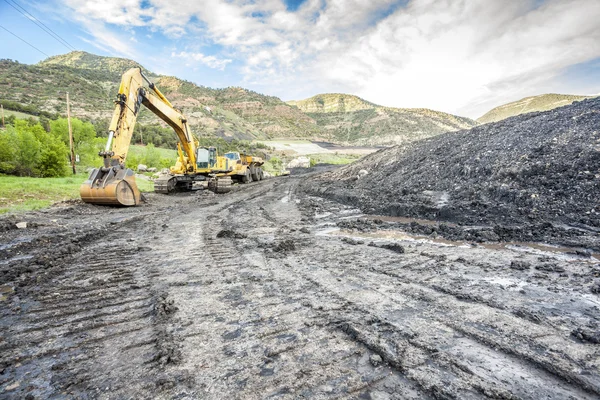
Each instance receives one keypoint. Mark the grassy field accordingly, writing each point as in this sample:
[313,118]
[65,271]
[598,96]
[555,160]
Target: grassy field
[139,151]
[333,158]
[18,114]
[18,194]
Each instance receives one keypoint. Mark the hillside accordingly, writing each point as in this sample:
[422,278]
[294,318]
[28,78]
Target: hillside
[350,119]
[543,102]
[92,82]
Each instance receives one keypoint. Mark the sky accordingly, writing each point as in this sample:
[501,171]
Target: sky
[458,56]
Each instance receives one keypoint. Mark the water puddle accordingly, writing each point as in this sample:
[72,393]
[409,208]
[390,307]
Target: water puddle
[323,215]
[15,242]
[533,248]
[508,283]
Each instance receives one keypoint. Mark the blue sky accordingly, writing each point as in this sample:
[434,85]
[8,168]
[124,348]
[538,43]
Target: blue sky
[453,56]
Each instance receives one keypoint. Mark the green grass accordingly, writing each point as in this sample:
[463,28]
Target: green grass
[18,114]
[20,194]
[337,159]
[139,151]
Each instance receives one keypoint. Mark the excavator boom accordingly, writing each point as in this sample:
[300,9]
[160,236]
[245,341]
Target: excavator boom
[113,183]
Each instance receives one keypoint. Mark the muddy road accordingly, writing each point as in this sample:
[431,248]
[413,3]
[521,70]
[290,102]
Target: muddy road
[268,292]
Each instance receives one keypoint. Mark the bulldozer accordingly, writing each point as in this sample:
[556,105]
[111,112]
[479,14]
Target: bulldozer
[114,184]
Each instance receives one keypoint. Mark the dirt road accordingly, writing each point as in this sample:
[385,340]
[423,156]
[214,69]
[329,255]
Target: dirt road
[255,294]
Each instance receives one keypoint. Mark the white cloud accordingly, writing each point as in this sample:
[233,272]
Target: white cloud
[457,56]
[209,61]
[104,39]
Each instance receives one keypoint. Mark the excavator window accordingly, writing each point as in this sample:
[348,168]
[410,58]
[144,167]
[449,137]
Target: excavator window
[202,158]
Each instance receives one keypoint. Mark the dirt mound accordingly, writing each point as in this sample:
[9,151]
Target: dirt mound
[530,169]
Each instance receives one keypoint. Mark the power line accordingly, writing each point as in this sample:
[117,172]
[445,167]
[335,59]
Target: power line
[40,24]
[24,41]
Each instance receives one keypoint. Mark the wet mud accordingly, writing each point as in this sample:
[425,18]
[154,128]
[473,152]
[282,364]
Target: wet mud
[271,292]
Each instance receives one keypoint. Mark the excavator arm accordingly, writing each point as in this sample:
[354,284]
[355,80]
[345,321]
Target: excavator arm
[113,183]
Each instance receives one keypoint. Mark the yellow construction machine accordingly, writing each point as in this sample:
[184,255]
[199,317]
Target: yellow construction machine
[115,184]
[195,168]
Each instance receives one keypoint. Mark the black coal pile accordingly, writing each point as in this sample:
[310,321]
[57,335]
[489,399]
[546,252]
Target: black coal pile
[537,168]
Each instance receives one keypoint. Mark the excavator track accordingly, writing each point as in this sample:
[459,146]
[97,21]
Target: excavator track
[164,184]
[221,184]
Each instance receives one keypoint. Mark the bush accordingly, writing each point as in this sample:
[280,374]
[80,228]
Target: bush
[26,149]
[84,138]
[152,156]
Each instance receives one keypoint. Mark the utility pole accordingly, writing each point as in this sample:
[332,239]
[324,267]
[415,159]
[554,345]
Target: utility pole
[2,108]
[70,135]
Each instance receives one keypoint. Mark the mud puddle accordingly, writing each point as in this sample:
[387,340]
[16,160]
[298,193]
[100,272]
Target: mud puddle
[15,242]
[565,253]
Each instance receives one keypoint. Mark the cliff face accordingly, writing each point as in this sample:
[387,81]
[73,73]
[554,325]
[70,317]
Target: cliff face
[350,119]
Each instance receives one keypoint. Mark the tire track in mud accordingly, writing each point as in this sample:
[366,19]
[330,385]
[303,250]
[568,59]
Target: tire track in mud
[554,367]
[70,334]
[236,297]
[296,351]
[382,306]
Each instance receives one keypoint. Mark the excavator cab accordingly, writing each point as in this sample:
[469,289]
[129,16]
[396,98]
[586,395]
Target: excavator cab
[206,157]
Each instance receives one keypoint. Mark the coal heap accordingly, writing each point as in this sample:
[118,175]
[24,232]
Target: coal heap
[541,167]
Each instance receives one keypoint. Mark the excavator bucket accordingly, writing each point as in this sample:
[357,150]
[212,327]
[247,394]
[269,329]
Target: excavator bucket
[108,186]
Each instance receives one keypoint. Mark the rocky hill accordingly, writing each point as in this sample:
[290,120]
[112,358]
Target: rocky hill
[543,102]
[531,175]
[92,82]
[350,119]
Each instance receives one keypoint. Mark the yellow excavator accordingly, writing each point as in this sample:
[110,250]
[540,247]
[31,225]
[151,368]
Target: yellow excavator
[113,184]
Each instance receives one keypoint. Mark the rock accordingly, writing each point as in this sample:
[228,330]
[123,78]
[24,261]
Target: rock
[266,175]
[520,265]
[22,225]
[152,169]
[300,162]
[142,168]
[285,246]
[375,360]
[362,173]
[489,236]
[227,233]
[586,335]
[13,386]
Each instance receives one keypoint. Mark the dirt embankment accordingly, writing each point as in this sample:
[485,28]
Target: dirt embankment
[530,177]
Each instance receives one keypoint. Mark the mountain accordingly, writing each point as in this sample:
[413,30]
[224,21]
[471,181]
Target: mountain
[350,119]
[234,112]
[542,102]
[92,82]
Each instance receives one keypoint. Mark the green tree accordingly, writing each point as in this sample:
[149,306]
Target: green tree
[52,159]
[8,150]
[84,136]
[152,156]
[27,149]
[28,153]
